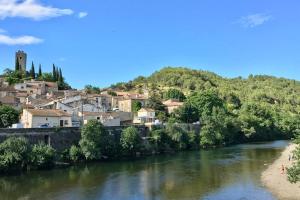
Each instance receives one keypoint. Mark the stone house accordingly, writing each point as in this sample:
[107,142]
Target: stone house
[107,119]
[36,87]
[125,105]
[172,104]
[144,115]
[33,118]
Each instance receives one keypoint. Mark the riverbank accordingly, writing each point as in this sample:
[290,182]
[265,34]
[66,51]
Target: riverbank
[276,181]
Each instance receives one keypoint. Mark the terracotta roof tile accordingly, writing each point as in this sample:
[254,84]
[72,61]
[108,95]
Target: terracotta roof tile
[48,113]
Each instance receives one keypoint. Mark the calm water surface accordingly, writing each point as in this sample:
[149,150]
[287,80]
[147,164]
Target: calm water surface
[226,173]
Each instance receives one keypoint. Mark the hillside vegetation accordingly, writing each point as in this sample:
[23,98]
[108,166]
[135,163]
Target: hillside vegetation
[256,108]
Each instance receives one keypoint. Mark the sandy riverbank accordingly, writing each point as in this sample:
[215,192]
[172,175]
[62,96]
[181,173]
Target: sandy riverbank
[277,182]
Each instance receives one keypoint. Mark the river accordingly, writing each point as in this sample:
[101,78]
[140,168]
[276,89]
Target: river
[223,174]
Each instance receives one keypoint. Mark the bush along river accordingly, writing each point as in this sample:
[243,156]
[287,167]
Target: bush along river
[225,173]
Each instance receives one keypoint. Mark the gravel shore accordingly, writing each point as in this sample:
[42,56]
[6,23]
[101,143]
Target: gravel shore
[276,181]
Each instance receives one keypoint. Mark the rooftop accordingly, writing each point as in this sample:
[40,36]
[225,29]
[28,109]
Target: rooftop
[173,102]
[48,113]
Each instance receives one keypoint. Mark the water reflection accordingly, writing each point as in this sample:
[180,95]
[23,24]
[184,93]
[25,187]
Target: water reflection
[214,174]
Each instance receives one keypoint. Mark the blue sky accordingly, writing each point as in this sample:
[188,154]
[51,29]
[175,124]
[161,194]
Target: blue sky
[102,42]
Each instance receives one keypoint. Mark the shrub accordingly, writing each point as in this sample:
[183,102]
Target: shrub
[160,139]
[14,154]
[42,156]
[8,116]
[75,153]
[130,140]
[95,141]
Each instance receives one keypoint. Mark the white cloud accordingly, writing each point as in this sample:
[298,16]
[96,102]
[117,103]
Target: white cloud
[82,14]
[254,20]
[21,40]
[30,9]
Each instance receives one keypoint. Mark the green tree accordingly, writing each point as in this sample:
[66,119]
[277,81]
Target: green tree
[60,76]
[46,77]
[257,122]
[14,153]
[212,132]
[95,141]
[54,74]
[40,71]
[32,71]
[155,103]
[205,101]
[42,156]
[293,172]
[130,140]
[174,94]
[160,139]
[12,77]
[136,106]
[8,116]
[92,89]
[186,113]
[112,93]
[75,153]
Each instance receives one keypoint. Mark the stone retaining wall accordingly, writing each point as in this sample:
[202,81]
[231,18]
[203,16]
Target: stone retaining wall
[59,138]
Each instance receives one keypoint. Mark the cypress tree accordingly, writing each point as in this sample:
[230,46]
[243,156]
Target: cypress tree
[57,74]
[54,73]
[32,71]
[40,70]
[61,79]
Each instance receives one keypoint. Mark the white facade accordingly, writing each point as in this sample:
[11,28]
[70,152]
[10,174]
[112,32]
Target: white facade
[32,118]
[107,119]
[144,115]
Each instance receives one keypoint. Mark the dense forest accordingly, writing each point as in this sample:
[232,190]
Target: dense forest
[230,110]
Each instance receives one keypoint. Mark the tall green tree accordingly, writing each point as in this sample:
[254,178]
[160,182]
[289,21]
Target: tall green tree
[58,75]
[61,78]
[130,140]
[40,71]
[54,74]
[174,94]
[32,71]
[95,141]
[186,113]
[205,101]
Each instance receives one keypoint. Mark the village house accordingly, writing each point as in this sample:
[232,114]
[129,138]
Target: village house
[36,87]
[145,116]
[125,105]
[106,118]
[101,101]
[172,104]
[34,118]
[7,91]
[10,101]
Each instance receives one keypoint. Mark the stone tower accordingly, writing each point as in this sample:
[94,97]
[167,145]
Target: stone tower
[21,57]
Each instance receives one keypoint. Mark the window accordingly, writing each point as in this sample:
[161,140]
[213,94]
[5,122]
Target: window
[46,118]
[66,122]
[98,118]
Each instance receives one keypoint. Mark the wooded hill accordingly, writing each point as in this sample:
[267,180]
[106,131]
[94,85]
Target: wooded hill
[260,107]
